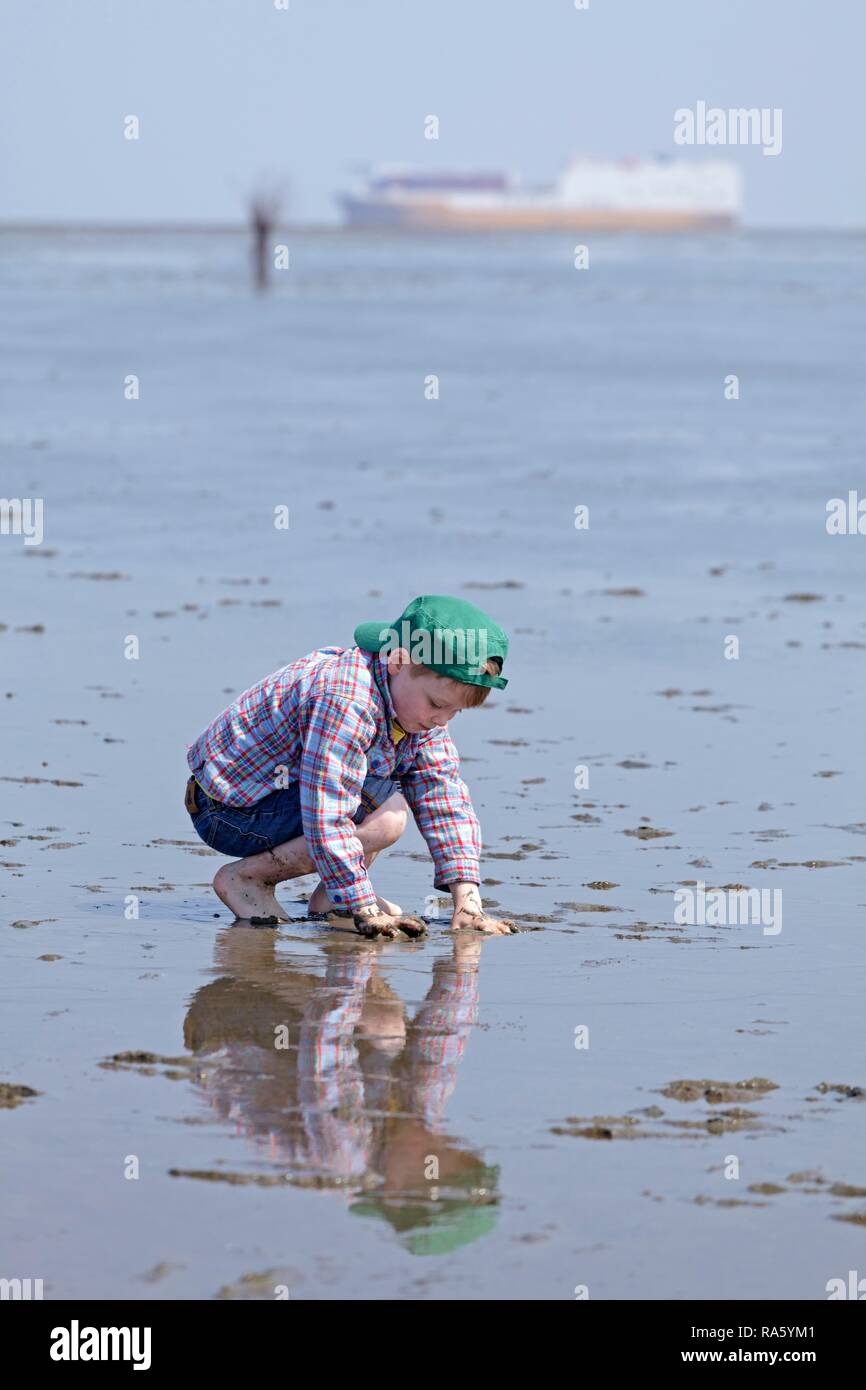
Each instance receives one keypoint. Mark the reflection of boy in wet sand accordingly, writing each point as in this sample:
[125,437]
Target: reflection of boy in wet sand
[355,1098]
[316,768]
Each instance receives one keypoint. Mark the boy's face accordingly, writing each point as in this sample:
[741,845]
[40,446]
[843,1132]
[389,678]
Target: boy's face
[422,701]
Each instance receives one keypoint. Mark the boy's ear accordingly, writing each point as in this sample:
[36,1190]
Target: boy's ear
[399,657]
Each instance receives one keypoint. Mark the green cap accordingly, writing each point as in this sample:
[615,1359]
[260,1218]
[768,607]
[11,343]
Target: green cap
[466,1210]
[449,635]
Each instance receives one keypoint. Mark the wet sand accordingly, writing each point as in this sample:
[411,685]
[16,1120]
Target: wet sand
[308,1165]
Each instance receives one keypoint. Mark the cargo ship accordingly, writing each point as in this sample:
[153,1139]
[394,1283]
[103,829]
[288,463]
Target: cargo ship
[590,195]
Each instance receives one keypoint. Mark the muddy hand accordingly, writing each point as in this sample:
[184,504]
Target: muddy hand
[470,919]
[373,924]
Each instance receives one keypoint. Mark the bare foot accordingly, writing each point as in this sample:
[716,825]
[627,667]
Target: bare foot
[320,902]
[246,896]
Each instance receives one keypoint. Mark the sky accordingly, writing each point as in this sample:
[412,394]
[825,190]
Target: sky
[237,95]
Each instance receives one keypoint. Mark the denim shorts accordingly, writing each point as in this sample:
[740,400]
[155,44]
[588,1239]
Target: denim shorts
[244,830]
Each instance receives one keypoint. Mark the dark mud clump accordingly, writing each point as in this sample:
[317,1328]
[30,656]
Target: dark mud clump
[795,863]
[159,1271]
[145,1064]
[590,907]
[726,1202]
[494,584]
[145,1057]
[647,832]
[720,1092]
[236,1179]
[11,1095]
[810,1175]
[49,781]
[98,574]
[729,1121]
[263,1285]
[599,1127]
[317,1181]
[631,1127]
[845,1092]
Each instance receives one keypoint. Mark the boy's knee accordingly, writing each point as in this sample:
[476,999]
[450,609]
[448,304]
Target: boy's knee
[393,818]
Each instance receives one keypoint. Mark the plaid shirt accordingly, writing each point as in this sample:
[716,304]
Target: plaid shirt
[325,721]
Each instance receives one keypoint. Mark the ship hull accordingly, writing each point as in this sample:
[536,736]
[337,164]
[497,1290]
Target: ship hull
[436,216]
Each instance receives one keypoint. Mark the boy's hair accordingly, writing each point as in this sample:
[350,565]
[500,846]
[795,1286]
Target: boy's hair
[477,693]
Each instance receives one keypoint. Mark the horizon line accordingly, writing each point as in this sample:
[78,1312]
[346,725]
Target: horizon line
[235,228]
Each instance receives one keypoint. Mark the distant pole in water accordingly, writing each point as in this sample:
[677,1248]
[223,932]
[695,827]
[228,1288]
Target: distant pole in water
[263,218]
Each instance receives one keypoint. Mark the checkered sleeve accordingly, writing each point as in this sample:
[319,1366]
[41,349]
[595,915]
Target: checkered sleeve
[443,810]
[336,731]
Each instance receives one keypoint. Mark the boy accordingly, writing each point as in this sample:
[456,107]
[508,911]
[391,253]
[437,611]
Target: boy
[316,767]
